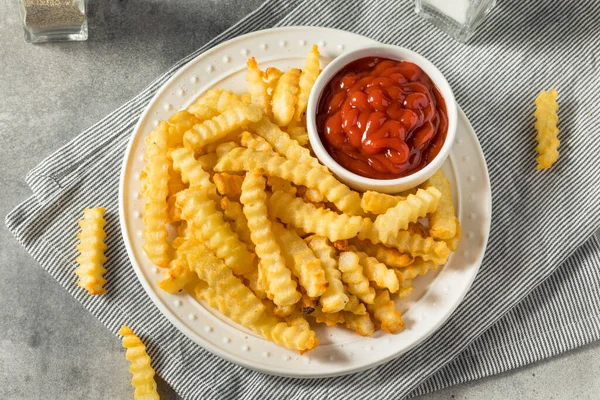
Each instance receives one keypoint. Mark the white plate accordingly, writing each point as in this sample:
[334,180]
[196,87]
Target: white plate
[341,352]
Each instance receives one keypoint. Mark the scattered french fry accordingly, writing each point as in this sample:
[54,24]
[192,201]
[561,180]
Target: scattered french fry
[91,248]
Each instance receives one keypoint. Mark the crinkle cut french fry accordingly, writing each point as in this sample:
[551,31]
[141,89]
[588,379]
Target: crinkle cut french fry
[232,211]
[283,143]
[378,273]
[156,142]
[253,282]
[156,209]
[229,185]
[405,290]
[255,142]
[313,196]
[298,134]
[91,248]
[281,286]
[453,242]
[179,275]
[209,98]
[442,221]
[218,127]
[384,312]
[293,337]
[297,319]
[208,161]
[301,260]
[405,242]
[353,276]
[284,311]
[278,184]
[242,159]
[210,228]
[176,185]
[203,112]
[360,324]
[224,148]
[228,100]
[285,97]
[191,171]
[295,211]
[309,75]
[354,305]
[419,267]
[334,299]
[257,86]
[390,257]
[244,307]
[546,115]
[329,319]
[271,77]
[142,372]
[179,123]
[378,203]
[410,210]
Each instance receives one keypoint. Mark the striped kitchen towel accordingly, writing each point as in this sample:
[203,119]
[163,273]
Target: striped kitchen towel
[537,292]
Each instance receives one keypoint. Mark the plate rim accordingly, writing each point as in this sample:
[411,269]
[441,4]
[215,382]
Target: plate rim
[199,340]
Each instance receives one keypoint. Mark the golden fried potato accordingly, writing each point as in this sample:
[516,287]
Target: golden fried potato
[295,211]
[309,75]
[360,324]
[378,273]
[405,242]
[212,130]
[379,203]
[285,97]
[232,210]
[353,276]
[384,312]
[281,286]
[283,144]
[210,228]
[390,257]
[442,221]
[242,159]
[334,299]
[410,210]
[229,185]
[156,190]
[179,123]
[546,115]
[258,87]
[142,372]
[91,248]
[301,260]
[244,307]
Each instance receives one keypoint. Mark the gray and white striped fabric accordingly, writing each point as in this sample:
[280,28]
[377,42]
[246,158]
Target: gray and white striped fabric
[537,293]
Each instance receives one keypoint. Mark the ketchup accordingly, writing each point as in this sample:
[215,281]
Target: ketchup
[382,118]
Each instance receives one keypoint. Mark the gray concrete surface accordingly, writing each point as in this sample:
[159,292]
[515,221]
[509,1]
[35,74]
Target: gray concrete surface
[50,347]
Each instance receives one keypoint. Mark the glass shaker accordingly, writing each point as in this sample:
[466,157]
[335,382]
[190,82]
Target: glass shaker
[458,18]
[53,20]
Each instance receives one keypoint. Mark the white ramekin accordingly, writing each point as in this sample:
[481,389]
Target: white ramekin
[381,185]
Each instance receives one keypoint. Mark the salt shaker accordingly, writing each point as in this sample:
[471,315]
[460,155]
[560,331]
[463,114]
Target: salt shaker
[458,18]
[53,20]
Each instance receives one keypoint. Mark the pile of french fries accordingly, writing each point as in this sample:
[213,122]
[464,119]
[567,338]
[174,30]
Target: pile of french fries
[266,234]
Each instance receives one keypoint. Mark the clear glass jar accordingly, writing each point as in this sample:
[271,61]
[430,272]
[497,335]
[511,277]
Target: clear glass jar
[53,20]
[458,18]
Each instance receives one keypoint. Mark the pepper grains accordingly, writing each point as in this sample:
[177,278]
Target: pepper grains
[48,20]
